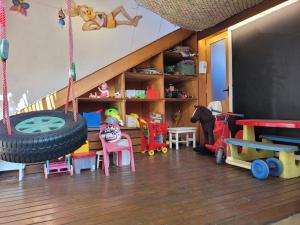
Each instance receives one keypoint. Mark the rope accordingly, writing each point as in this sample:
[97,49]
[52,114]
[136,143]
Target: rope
[6,119]
[71,69]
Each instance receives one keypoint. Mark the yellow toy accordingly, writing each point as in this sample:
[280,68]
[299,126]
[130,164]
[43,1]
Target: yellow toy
[83,149]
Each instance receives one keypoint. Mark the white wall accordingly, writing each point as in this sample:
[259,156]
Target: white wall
[38,60]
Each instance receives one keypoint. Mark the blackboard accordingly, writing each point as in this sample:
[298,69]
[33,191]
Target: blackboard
[266,68]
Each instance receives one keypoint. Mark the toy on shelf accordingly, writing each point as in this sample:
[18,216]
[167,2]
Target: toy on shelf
[152,93]
[93,119]
[58,167]
[172,92]
[103,92]
[156,117]
[153,137]
[112,112]
[177,117]
[132,120]
[117,95]
[103,89]
[136,94]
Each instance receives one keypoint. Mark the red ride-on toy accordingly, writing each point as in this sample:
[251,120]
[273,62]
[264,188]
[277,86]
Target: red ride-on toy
[153,137]
[221,131]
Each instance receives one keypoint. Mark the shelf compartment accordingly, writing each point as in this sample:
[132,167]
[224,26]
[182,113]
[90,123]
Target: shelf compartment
[180,99]
[130,76]
[143,99]
[85,99]
[172,78]
[143,109]
[186,108]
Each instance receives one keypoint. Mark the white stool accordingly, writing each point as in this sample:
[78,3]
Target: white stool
[182,130]
[100,158]
[7,166]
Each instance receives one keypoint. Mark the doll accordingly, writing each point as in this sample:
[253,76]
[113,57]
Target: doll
[104,93]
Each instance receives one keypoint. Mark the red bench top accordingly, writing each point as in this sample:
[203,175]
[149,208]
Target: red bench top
[84,155]
[270,123]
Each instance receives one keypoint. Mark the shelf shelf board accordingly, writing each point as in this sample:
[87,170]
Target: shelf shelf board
[172,78]
[143,100]
[174,57]
[86,99]
[130,76]
[180,99]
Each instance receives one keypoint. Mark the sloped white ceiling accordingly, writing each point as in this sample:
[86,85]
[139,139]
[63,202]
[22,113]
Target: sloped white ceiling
[197,14]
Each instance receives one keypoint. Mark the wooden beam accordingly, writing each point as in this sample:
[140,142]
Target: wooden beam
[267,4]
[57,99]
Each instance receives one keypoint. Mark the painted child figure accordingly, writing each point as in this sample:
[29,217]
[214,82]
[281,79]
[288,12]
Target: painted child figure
[94,20]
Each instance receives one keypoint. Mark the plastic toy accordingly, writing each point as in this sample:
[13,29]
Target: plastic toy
[20,6]
[103,89]
[115,147]
[221,131]
[111,131]
[112,112]
[58,167]
[84,161]
[132,120]
[152,137]
[83,149]
[284,167]
[93,119]
[152,92]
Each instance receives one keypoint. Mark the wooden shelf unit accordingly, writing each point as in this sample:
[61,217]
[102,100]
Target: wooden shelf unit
[141,81]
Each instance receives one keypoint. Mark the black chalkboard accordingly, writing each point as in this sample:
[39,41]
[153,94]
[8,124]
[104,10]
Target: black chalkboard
[266,68]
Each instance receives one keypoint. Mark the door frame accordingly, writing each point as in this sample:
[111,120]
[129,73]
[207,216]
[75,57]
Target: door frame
[204,55]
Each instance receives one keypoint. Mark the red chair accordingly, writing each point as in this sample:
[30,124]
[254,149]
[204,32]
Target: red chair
[115,147]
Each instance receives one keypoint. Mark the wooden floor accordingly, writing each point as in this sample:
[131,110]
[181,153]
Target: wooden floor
[181,188]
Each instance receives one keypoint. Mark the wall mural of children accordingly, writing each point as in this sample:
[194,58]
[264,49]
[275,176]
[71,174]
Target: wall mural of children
[95,20]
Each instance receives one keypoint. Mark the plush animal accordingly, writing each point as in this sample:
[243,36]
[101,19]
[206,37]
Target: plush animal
[94,20]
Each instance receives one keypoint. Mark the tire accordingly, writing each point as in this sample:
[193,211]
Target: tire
[220,153]
[34,146]
[260,169]
[275,166]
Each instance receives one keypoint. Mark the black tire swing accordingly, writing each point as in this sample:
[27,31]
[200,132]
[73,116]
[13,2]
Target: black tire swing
[40,135]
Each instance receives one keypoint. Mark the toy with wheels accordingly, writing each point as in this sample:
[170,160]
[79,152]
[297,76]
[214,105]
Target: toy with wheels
[220,131]
[153,137]
[41,135]
[284,166]
[58,167]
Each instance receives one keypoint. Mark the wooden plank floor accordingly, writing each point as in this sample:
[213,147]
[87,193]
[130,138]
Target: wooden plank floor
[181,188]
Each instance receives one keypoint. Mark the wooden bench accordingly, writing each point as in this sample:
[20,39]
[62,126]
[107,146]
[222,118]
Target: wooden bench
[261,145]
[286,155]
[281,139]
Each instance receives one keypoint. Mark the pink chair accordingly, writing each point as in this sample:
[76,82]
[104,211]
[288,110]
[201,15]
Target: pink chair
[115,147]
